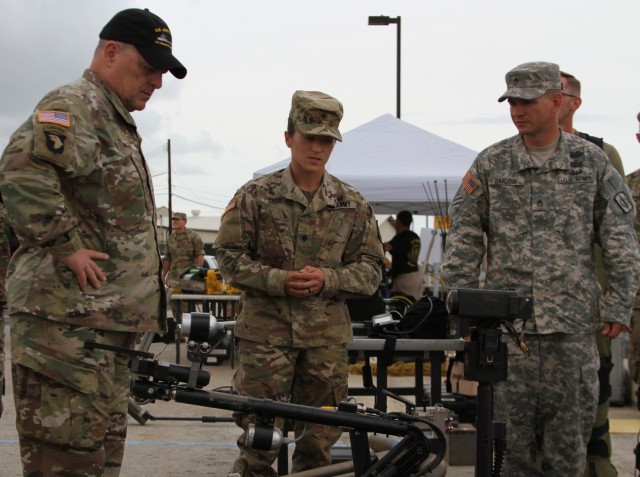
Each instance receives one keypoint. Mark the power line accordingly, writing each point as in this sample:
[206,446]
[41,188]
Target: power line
[199,203]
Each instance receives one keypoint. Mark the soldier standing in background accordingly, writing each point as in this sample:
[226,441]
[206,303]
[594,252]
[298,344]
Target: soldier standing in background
[542,199]
[599,447]
[633,180]
[78,194]
[404,248]
[298,242]
[185,250]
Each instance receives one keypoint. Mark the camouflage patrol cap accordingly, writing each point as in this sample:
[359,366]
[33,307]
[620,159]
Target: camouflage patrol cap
[316,114]
[179,215]
[149,34]
[531,80]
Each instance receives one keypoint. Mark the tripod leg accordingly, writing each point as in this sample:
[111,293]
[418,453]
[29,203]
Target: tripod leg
[135,410]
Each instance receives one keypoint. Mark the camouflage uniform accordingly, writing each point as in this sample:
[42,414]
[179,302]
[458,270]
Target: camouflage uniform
[182,249]
[73,176]
[541,225]
[4,263]
[271,228]
[633,181]
[599,446]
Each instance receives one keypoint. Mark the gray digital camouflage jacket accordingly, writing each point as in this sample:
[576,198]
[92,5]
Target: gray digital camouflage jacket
[541,225]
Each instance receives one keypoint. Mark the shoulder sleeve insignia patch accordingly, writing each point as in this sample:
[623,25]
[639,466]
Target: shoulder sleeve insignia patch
[623,202]
[469,183]
[55,117]
[231,205]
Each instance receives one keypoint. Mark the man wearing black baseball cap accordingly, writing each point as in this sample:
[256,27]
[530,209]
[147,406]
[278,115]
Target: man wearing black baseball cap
[79,193]
[149,34]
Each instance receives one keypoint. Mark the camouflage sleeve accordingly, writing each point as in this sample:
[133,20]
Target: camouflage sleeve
[613,155]
[614,212]
[198,244]
[359,274]
[37,154]
[465,246]
[633,181]
[361,271]
[234,244]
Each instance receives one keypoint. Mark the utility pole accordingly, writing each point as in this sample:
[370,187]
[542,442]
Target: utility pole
[169,160]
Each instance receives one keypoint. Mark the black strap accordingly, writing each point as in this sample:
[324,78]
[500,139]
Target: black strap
[598,141]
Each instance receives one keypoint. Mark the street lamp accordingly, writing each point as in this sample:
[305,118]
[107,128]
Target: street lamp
[384,20]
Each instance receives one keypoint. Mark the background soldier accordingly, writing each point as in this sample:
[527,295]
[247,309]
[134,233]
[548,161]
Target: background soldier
[633,180]
[79,196]
[298,242]
[599,446]
[404,248]
[185,250]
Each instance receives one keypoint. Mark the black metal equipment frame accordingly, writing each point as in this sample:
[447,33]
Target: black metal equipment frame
[165,381]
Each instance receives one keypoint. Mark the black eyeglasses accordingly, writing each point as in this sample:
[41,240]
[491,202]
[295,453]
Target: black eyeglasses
[570,95]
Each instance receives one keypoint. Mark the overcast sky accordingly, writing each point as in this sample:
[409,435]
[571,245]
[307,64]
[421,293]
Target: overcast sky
[246,58]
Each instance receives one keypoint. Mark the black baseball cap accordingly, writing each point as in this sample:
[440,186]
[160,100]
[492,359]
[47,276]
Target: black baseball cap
[149,34]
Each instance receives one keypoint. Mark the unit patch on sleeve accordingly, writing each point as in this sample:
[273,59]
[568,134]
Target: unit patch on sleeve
[623,201]
[54,140]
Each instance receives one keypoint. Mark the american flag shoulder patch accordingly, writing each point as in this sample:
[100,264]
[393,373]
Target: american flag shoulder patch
[55,117]
[469,183]
[230,206]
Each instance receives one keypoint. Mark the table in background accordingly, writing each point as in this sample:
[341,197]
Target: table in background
[431,349]
[223,307]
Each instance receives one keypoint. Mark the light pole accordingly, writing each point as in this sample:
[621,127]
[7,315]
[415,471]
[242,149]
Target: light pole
[384,20]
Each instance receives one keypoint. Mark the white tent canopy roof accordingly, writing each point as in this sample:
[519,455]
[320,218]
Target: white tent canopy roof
[397,166]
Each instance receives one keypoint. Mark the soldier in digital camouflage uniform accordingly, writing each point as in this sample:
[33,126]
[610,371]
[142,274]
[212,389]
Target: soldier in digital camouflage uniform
[599,447]
[4,264]
[298,242]
[633,180]
[79,196]
[543,198]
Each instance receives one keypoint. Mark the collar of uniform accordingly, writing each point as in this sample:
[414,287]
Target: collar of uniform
[110,94]
[522,159]
[326,194]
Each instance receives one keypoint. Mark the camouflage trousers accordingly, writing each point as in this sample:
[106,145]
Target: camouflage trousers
[548,403]
[599,447]
[71,403]
[634,351]
[310,376]
[1,360]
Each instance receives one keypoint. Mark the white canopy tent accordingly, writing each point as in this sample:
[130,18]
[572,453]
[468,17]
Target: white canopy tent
[397,166]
